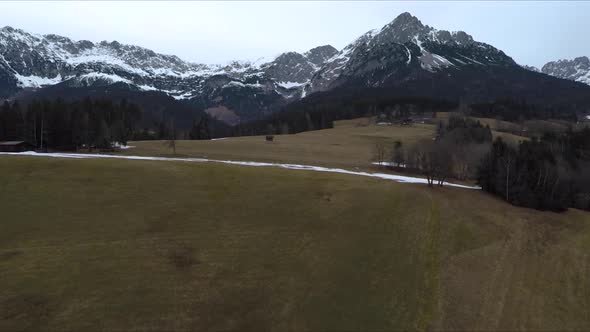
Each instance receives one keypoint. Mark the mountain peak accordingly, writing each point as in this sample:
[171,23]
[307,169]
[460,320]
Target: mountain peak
[583,59]
[9,29]
[577,69]
[402,29]
[406,18]
[328,48]
[319,55]
[405,21]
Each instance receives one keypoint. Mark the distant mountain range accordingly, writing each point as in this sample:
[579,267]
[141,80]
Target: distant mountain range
[409,57]
[577,69]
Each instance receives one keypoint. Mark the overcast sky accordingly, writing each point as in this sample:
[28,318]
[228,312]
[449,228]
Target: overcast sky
[532,32]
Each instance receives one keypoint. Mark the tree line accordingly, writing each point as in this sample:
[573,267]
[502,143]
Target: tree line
[512,110]
[319,111]
[89,123]
[547,173]
[454,152]
[57,124]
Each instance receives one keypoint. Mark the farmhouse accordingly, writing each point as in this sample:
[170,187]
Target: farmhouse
[15,146]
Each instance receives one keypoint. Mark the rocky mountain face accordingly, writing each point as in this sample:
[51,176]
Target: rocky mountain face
[532,68]
[404,55]
[402,50]
[29,61]
[406,58]
[293,69]
[577,69]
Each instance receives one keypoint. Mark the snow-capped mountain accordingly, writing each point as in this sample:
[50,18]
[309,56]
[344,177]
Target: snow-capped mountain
[33,61]
[577,69]
[406,55]
[29,61]
[401,49]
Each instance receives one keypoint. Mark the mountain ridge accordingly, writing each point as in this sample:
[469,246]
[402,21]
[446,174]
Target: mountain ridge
[404,42]
[577,69]
[403,53]
[22,54]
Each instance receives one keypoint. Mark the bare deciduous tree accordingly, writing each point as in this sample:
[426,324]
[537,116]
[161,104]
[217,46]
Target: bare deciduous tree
[398,156]
[171,142]
[434,161]
[507,163]
[466,158]
[379,152]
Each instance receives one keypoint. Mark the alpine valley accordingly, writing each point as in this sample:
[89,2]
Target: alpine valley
[403,58]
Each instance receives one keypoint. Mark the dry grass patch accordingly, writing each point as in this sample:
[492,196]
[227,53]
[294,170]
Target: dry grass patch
[347,145]
[139,245]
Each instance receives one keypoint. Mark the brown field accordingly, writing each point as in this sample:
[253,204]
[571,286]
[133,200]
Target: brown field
[127,245]
[88,245]
[350,144]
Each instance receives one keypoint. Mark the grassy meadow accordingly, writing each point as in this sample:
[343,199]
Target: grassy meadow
[127,245]
[350,144]
[150,245]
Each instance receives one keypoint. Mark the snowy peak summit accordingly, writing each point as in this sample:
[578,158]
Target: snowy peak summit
[401,49]
[407,28]
[402,29]
[319,55]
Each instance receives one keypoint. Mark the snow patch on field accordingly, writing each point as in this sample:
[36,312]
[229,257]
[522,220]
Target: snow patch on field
[392,177]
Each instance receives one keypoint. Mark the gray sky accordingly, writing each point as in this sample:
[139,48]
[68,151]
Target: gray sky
[532,32]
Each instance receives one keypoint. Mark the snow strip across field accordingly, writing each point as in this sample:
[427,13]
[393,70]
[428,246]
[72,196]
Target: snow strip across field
[392,177]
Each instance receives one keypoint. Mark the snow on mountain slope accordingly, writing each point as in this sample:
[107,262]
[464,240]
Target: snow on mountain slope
[403,52]
[33,81]
[34,61]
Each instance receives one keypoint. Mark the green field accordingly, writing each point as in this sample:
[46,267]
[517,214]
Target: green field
[143,245]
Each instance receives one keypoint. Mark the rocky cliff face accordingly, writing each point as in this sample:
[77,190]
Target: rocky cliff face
[29,61]
[577,69]
[33,61]
[401,50]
